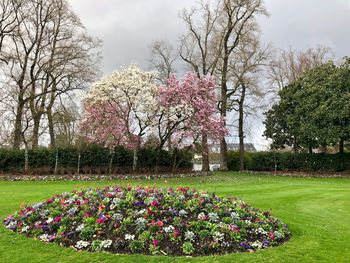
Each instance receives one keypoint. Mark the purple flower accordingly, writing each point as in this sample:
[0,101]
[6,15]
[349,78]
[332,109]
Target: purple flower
[45,227]
[245,245]
[265,243]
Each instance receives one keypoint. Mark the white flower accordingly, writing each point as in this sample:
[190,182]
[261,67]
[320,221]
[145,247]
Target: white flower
[80,228]
[49,220]
[141,212]
[169,229]
[213,217]
[82,244]
[189,235]
[235,216]
[202,216]
[44,213]
[256,244]
[248,222]
[218,236]
[106,243]
[112,206]
[261,231]
[25,229]
[129,237]
[46,237]
[118,216]
[182,213]
[37,206]
[12,225]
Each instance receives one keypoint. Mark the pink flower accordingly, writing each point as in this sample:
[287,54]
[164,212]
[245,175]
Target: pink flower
[155,242]
[154,203]
[234,228]
[100,221]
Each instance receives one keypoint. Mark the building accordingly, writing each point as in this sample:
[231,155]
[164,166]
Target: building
[248,147]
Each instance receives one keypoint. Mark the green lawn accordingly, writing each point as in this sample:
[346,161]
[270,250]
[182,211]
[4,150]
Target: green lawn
[316,210]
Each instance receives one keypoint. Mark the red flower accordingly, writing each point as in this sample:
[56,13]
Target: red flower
[57,219]
[154,203]
[160,223]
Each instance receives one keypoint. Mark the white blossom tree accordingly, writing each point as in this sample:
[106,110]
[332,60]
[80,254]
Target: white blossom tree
[121,108]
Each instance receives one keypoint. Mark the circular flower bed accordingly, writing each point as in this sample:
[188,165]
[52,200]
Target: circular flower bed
[149,221]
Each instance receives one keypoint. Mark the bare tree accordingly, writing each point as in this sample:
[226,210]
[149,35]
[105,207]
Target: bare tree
[50,55]
[248,69]
[66,124]
[236,19]
[289,65]
[163,58]
[8,23]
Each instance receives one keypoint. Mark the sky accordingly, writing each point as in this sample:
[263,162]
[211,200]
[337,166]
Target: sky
[128,27]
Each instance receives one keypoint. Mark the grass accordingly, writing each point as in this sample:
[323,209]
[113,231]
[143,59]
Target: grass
[316,210]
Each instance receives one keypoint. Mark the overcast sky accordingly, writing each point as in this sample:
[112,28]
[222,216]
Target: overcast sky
[128,27]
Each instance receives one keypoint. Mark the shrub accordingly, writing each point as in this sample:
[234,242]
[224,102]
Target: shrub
[93,159]
[270,161]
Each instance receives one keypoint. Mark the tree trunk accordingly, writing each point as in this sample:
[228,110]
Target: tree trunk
[79,158]
[26,160]
[310,149]
[56,163]
[205,153]
[134,161]
[223,155]
[241,136]
[174,160]
[223,113]
[110,170]
[17,138]
[295,146]
[35,135]
[341,146]
[51,128]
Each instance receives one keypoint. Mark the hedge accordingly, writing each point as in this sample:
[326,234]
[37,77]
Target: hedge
[271,161]
[92,159]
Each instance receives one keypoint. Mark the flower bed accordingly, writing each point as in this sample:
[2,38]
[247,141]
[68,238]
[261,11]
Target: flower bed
[149,221]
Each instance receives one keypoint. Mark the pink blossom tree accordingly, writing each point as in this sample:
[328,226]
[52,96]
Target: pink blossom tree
[189,110]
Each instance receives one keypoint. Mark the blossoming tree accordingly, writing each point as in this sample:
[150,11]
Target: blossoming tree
[189,110]
[127,105]
[120,109]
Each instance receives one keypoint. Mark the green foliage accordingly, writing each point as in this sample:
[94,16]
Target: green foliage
[286,161]
[87,233]
[314,110]
[187,248]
